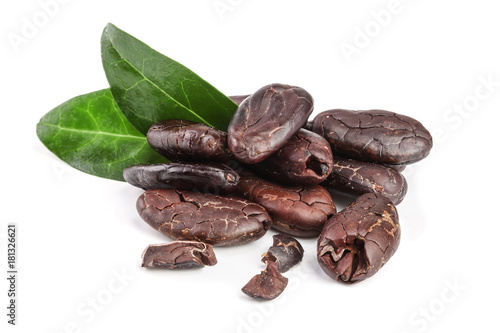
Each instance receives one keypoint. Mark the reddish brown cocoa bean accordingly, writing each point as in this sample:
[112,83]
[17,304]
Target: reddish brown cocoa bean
[356,178]
[264,121]
[357,241]
[305,159]
[376,136]
[208,218]
[182,140]
[295,210]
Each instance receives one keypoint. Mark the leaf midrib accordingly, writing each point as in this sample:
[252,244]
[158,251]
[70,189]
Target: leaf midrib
[154,84]
[95,132]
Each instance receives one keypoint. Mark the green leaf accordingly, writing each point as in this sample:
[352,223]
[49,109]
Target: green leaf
[90,133]
[150,87]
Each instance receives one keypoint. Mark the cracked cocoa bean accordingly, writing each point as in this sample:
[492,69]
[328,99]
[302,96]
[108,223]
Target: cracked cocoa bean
[356,242]
[305,159]
[179,255]
[183,140]
[286,252]
[266,120]
[376,136]
[295,210]
[208,218]
[269,284]
[208,178]
[238,98]
[356,177]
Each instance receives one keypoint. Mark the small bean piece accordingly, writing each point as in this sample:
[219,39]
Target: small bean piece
[305,159]
[269,284]
[376,136]
[356,178]
[286,252]
[264,121]
[179,255]
[208,218]
[296,210]
[182,140]
[208,178]
[356,242]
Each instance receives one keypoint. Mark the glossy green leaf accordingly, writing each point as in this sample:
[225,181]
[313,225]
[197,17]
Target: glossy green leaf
[90,133]
[150,87]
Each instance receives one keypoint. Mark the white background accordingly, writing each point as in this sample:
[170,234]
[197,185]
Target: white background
[431,60]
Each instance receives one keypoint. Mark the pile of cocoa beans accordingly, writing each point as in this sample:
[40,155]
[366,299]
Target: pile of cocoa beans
[275,169]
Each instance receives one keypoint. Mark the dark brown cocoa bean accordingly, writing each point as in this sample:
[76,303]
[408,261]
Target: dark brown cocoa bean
[357,241]
[182,140]
[179,255]
[208,218]
[269,284]
[266,120]
[295,210]
[376,136]
[305,159]
[208,178]
[356,177]
[286,252]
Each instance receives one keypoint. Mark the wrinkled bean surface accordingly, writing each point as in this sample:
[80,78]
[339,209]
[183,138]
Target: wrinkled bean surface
[286,252]
[208,178]
[296,210]
[179,255]
[182,140]
[266,120]
[356,177]
[305,159]
[356,242]
[269,284]
[208,218]
[374,135]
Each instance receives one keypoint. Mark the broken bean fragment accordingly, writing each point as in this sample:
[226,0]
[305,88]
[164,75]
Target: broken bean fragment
[357,241]
[269,284]
[286,252]
[179,255]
